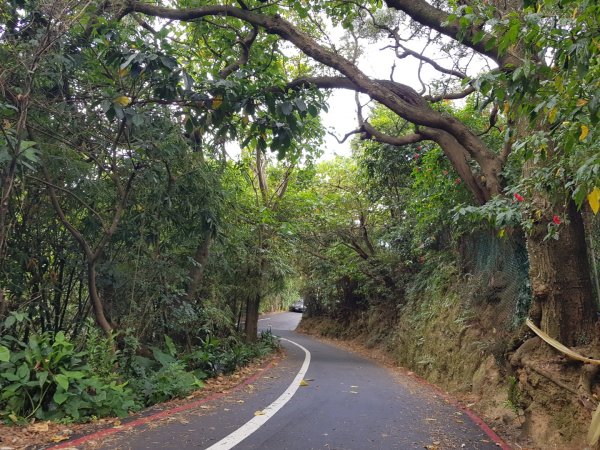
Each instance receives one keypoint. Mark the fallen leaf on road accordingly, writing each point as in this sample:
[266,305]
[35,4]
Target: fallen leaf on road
[240,401]
[259,413]
[303,383]
[59,437]
[41,427]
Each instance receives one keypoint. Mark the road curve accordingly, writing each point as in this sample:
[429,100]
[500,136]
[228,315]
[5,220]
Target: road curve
[345,403]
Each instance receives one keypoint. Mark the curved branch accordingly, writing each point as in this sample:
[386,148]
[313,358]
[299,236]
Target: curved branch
[370,132]
[412,108]
[458,156]
[450,95]
[245,43]
[430,16]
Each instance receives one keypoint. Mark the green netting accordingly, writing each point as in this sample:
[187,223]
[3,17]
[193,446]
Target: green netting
[496,272]
[593,243]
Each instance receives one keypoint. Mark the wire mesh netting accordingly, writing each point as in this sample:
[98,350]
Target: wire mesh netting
[497,273]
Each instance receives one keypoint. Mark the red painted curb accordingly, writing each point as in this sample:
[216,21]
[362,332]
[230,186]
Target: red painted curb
[474,417]
[159,415]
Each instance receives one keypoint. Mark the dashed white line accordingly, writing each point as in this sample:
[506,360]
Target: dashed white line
[256,422]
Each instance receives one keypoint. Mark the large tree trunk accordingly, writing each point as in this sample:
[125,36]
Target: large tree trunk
[251,326]
[563,301]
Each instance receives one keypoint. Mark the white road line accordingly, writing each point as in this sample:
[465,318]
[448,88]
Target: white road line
[256,422]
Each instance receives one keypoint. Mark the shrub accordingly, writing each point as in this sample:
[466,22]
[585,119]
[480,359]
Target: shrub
[46,378]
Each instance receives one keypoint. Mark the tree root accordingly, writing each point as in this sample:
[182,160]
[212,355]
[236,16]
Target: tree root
[549,377]
[583,391]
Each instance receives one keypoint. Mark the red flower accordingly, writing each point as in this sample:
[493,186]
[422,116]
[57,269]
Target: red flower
[518,197]
[416,156]
[556,220]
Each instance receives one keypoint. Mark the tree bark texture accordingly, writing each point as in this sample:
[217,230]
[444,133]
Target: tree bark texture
[563,301]
[251,325]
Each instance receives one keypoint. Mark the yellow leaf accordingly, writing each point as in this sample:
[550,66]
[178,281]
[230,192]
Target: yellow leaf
[122,72]
[303,383]
[584,132]
[217,102]
[122,100]
[259,413]
[40,427]
[582,102]
[506,107]
[552,114]
[594,200]
[59,437]
[502,232]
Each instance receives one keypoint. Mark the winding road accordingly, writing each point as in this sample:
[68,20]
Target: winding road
[317,397]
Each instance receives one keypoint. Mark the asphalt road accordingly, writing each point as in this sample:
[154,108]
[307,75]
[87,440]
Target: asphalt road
[345,402]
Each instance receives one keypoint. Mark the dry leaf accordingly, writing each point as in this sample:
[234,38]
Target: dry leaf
[217,102]
[259,413]
[303,383]
[122,100]
[594,200]
[41,427]
[584,132]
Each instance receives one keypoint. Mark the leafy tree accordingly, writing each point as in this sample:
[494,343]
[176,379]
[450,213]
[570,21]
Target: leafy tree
[511,37]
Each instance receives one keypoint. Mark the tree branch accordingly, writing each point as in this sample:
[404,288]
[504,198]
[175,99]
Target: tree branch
[430,16]
[245,43]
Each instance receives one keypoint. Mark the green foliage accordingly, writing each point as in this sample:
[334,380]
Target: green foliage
[46,378]
[515,397]
[170,374]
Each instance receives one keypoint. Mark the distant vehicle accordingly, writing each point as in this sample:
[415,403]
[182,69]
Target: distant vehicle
[298,306]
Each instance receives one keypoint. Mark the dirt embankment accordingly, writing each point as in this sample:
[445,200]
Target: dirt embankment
[533,402]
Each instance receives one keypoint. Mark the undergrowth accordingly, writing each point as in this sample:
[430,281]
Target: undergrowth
[47,377]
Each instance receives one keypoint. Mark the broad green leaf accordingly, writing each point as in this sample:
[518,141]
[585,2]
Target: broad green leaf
[27,144]
[60,397]
[42,377]
[4,354]
[23,371]
[62,381]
